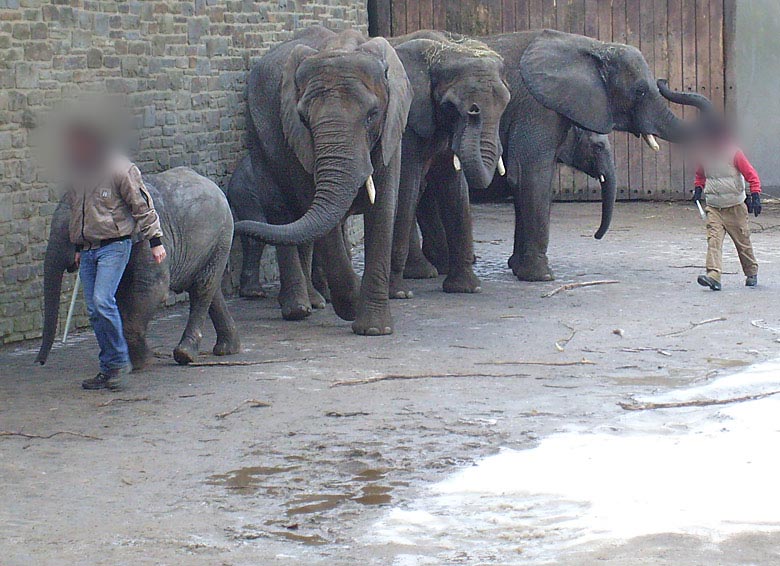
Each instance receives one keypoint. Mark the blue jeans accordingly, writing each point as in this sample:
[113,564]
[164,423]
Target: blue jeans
[101,271]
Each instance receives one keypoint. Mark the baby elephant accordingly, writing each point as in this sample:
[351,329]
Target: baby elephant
[197,233]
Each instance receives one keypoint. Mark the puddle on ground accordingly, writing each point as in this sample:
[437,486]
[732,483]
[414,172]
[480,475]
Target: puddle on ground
[309,540]
[699,471]
[247,480]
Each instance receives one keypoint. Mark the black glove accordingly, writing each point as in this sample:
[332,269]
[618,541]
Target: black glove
[697,194]
[749,204]
[755,205]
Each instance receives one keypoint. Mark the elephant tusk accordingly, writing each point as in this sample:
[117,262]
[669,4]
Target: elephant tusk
[456,162]
[602,178]
[371,189]
[501,168]
[650,140]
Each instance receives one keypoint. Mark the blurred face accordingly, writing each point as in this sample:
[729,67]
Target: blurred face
[82,149]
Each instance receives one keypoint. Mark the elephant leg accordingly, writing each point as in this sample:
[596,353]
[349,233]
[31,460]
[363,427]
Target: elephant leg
[249,285]
[456,217]
[344,284]
[408,193]
[532,228]
[434,237]
[228,341]
[201,295]
[373,317]
[417,265]
[318,277]
[305,252]
[293,291]
[139,296]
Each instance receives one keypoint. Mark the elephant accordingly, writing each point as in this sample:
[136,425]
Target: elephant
[242,195]
[459,97]
[583,150]
[558,80]
[325,116]
[197,233]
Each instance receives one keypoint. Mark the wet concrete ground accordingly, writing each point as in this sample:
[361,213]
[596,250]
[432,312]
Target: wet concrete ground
[172,479]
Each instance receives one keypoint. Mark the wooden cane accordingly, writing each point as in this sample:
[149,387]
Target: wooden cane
[71,308]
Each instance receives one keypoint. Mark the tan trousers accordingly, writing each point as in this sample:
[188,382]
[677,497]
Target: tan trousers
[733,221]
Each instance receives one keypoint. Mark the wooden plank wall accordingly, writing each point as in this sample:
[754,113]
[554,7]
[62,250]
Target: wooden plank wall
[686,41]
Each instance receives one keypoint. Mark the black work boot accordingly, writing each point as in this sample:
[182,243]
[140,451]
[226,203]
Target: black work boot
[111,380]
[707,281]
[751,280]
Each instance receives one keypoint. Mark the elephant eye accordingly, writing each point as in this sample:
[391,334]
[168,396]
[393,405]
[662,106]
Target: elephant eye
[303,118]
[372,114]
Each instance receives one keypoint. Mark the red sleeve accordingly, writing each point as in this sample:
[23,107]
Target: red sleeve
[701,178]
[748,172]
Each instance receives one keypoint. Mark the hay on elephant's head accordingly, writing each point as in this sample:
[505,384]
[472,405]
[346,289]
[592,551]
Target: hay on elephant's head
[454,43]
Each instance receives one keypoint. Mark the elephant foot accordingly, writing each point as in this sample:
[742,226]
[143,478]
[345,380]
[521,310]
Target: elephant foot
[251,291]
[139,356]
[398,288]
[317,301]
[420,268]
[345,307]
[186,352]
[295,311]
[533,268]
[374,323]
[227,346]
[462,282]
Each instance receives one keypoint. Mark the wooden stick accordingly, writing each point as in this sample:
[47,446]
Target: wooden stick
[693,325]
[48,436]
[560,345]
[582,362]
[253,403]
[71,308]
[245,363]
[634,406]
[570,286]
[122,400]
[394,377]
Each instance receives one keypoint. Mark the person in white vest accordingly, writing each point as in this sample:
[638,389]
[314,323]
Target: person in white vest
[720,180]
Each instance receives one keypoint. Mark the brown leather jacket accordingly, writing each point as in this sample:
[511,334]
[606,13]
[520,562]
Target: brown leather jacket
[112,204]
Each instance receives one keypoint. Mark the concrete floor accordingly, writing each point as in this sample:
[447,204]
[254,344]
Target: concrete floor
[172,479]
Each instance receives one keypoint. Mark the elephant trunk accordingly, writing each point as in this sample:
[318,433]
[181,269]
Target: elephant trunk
[672,128]
[52,286]
[608,182]
[338,178]
[478,151]
[687,98]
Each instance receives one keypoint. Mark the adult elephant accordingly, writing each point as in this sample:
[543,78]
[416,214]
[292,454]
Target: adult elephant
[325,116]
[459,97]
[585,151]
[558,80]
[197,233]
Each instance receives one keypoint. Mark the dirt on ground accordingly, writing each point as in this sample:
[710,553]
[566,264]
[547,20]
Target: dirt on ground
[293,457]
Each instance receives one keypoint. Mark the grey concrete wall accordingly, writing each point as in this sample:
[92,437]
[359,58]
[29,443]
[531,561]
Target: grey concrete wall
[181,65]
[757,62]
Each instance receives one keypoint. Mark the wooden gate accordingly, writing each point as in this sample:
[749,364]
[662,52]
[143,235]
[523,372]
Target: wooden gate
[686,41]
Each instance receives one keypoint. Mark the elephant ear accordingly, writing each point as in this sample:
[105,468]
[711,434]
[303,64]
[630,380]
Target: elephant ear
[399,97]
[566,73]
[296,133]
[416,56]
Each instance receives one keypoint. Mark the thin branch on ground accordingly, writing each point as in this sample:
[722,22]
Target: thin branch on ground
[560,345]
[251,403]
[123,400]
[396,377]
[570,286]
[337,414]
[48,436]
[657,350]
[635,406]
[245,363]
[582,362]
[761,323]
[692,326]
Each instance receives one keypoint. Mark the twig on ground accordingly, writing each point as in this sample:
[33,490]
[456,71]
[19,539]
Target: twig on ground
[512,316]
[122,400]
[246,363]
[761,323]
[570,286]
[644,349]
[582,362]
[337,414]
[634,406]
[466,347]
[560,345]
[395,377]
[693,325]
[48,436]
[252,403]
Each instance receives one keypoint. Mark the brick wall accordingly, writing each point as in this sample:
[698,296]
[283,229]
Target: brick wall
[182,66]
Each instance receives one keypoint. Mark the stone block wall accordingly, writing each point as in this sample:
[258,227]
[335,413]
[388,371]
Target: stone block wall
[182,65]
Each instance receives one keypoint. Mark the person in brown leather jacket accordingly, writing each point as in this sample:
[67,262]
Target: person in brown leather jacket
[109,205]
